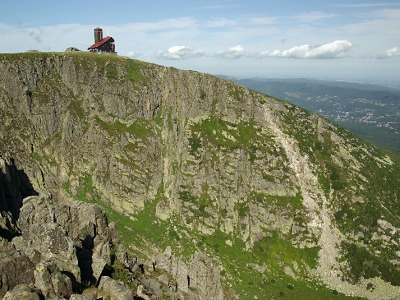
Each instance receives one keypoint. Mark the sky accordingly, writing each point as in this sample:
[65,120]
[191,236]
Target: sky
[351,40]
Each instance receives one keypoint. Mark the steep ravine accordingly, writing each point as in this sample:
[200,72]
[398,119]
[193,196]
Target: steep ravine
[197,171]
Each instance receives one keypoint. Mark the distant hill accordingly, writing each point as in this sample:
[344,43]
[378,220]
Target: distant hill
[370,111]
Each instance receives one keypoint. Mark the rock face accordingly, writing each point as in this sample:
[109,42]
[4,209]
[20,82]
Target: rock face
[270,194]
[15,268]
[197,277]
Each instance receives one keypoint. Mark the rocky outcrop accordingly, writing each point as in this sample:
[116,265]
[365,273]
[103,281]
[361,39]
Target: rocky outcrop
[61,248]
[75,236]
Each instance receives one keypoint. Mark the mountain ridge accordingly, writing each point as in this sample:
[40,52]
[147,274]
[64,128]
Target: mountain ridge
[198,163]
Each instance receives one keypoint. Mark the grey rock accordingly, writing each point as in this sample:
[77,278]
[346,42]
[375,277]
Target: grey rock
[22,292]
[101,257]
[152,286]
[83,297]
[26,247]
[8,227]
[197,277]
[52,282]
[204,277]
[74,234]
[141,294]
[15,269]
[44,235]
[115,289]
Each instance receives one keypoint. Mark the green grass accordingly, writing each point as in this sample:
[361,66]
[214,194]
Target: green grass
[112,70]
[85,191]
[294,202]
[241,208]
[115,67]
[237,93]
[201,202]
[273,283]
[134,73]
[212,129]
[37,157]
[76,107]
[140,128]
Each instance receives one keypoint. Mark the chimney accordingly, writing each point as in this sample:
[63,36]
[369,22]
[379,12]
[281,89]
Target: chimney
[98,34]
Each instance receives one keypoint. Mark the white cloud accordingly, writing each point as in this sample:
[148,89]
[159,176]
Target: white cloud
[393,52]
[179,52]
[335,49]
[232,53]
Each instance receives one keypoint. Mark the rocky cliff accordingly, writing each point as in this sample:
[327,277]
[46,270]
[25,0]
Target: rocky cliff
[233,194]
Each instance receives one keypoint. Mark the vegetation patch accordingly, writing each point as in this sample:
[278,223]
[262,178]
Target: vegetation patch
[76,107]
[237,93]
[242,208]
[134,73]
[112,70]
[294,202]
[364,264]
[141,128]
[227,135]
[201,202]
[86,190]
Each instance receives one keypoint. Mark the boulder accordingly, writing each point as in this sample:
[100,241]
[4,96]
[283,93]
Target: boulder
[22,292]
[152,286]
[83,297]
[115,289]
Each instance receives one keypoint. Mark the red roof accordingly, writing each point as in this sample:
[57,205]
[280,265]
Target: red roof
[101,42]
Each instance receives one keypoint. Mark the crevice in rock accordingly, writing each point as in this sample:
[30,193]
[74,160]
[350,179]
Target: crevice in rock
[85,260]
[14,187]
